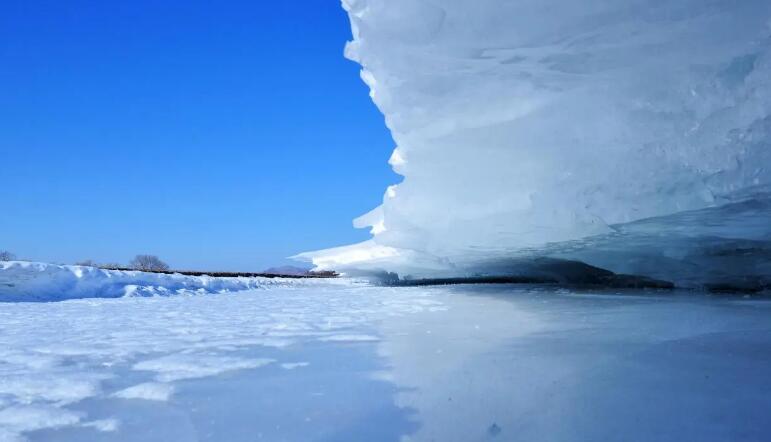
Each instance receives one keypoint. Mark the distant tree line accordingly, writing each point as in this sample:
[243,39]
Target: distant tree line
[144,263]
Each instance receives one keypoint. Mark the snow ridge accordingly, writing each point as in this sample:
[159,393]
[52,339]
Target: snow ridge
[36,281]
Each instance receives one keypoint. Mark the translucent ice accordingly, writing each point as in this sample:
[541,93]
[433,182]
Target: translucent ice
[531,122]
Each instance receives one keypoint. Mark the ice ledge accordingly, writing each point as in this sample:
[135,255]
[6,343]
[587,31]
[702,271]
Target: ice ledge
[721,248]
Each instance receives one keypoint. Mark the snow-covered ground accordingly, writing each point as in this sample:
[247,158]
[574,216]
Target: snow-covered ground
[347,361]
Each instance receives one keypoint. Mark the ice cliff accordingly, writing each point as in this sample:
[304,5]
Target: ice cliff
[553,127]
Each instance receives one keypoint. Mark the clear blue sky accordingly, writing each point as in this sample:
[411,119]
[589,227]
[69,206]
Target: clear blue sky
[217,135]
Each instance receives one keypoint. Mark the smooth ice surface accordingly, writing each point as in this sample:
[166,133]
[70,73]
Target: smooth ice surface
[521,124]
[355,362]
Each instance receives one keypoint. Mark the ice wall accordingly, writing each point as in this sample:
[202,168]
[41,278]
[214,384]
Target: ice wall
[524,123]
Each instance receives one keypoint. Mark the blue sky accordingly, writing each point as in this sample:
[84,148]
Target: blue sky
[222,135]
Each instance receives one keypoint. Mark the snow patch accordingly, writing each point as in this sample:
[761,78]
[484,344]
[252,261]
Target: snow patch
[103,425]
[189,366]
[35,417]
[293,365]
[150,391]
[57,388]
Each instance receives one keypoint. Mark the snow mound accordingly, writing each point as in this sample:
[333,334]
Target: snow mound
[35,281]
[529,122]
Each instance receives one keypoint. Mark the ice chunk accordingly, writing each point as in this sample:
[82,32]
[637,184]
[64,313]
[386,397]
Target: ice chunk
[524,123]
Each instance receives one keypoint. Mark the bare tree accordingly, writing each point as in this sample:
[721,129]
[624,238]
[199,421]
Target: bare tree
[148,263]
[7,256]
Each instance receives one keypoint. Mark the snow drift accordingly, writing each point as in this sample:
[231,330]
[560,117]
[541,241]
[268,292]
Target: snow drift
[523,124]
[34,281]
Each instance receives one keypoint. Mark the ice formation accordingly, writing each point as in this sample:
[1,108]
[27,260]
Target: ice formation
[521,125]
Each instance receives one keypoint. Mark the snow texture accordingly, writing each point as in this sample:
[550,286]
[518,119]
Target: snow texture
[522,124]
[56,356]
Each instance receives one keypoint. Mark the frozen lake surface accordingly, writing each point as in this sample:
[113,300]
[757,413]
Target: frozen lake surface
[337,363]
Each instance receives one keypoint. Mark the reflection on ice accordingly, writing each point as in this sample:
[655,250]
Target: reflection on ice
[525,364]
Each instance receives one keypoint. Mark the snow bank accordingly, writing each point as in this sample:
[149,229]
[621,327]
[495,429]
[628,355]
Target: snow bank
[527,122]
[34,281]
